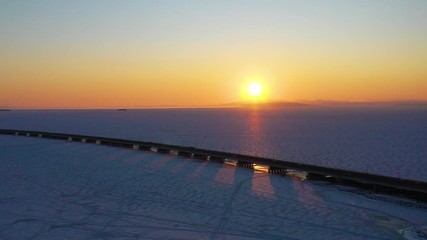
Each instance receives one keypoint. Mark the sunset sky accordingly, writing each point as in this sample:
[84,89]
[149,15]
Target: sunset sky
[101,54]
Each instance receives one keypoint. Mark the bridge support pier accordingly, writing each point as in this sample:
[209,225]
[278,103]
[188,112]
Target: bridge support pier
[185,154]
[163,150]
[126,145]
[90,140]
[217,159]
[244,164]
[277,170]
[315,176]
[200,156]
[144,148]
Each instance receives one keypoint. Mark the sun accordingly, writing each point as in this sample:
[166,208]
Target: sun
[254,89]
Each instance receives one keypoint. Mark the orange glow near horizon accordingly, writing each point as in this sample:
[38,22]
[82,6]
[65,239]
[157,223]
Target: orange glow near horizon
[69,54]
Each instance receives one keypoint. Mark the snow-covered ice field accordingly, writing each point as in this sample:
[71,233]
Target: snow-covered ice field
[53,189]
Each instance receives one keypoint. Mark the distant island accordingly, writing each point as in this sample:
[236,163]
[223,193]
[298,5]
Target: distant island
[265,104]
[5,110]
[324,103]
[367,103]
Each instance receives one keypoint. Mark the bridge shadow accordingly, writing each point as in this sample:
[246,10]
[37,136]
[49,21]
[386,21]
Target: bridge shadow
[262,186]
[299,191]
[225,175]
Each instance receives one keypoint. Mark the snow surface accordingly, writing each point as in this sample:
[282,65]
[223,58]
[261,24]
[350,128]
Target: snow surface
[53,189]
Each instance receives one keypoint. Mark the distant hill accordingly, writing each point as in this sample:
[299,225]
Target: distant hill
[266,104]
[323,103]
[4,108]
[370,103]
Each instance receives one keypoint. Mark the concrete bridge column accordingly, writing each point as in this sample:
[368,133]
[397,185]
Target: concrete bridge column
[174,152]
[315,176]
[200,156]
[163,150]
[125,145]
[185,154]
[144,148]
[217,159]
[245,164]
[277,170]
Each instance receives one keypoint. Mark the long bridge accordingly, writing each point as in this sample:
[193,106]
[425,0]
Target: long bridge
[378,183]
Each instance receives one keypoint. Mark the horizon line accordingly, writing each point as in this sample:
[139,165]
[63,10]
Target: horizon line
[237,104]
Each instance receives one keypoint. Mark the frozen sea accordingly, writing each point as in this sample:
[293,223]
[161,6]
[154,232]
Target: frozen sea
[53,189]
[388,141]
